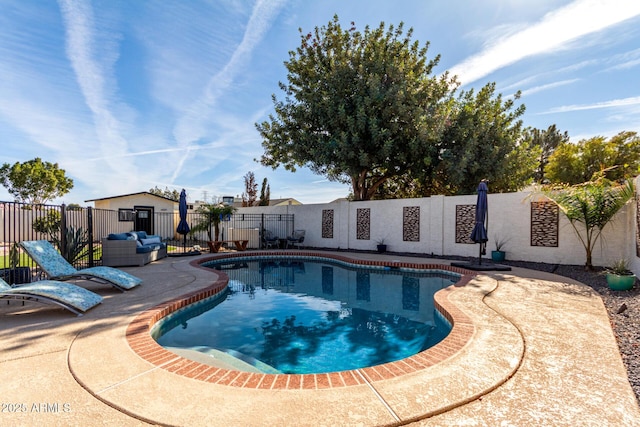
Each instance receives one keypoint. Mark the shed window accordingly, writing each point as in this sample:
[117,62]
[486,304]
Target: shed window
[126,215]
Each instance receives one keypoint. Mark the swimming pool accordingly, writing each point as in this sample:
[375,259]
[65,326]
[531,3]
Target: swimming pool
[297,315]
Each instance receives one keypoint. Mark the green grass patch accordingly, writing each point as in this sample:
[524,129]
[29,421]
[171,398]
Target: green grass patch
[25,261]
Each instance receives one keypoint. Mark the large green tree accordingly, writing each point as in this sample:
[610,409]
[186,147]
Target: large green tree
[35,181]
[360,107]
[483,140]
[574,163]
[548,140]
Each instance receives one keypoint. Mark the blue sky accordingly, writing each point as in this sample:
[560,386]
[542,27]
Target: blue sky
[128,95]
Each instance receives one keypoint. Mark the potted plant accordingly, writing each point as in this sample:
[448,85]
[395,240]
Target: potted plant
[382,247]
[619,277]
[499,254]
[15,274]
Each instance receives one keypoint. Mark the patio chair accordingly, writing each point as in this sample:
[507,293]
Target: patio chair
[296,238]
[270,240]
[74,298]
[57,268]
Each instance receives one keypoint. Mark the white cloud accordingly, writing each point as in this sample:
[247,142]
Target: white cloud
[191,127]
[93,70]
[568,23]
[624,102]
[540,88]
[625,60]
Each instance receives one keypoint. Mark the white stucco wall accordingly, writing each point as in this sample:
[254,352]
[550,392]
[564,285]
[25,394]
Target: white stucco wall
[633,234]
[509,218]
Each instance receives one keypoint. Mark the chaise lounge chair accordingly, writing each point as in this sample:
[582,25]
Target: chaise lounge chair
[74,298]
[57,268]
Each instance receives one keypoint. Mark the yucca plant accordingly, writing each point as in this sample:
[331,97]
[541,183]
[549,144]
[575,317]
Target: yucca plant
[590,206]
[76,241]
[619,267]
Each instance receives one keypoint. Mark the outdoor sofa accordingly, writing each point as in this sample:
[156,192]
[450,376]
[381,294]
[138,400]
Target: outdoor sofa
[132,248]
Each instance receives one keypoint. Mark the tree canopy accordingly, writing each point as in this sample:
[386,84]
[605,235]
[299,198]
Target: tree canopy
[35,181]
[169,194]
[250,194]
[548,140]
[483,140]
[265,193]
[574,163]
[360,107]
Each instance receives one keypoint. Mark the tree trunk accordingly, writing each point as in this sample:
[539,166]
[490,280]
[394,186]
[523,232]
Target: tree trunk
[589,266]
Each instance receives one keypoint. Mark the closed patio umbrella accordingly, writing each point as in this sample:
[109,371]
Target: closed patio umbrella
[183,226]
[479,233]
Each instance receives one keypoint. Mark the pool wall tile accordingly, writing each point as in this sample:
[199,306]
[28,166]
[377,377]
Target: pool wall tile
[280,382]
[217,375]
[228,377]
[323,381]
[140,341]
[253,380]
[267,382]
[206,373]
[349,378]
[335,379]
[372,374]
[241,379]
[295,382]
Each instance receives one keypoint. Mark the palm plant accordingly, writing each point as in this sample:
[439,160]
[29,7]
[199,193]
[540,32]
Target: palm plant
[211,215]
[590,206]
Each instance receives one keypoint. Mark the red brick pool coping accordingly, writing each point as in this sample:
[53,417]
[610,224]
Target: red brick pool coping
[139,336]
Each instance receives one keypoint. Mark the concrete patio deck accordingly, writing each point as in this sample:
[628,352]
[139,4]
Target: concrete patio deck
[541,352]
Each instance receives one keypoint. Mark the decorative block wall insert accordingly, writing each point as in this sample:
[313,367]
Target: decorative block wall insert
[411,223]
[327,223]
[545,224]
[363,225]
[465,220]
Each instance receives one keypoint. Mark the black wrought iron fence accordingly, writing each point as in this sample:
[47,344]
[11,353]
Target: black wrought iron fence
[70,227]
[250,227]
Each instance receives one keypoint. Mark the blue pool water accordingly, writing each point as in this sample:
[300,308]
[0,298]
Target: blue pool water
[300,316]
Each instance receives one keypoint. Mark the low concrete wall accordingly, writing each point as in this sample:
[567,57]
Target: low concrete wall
[510,218]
